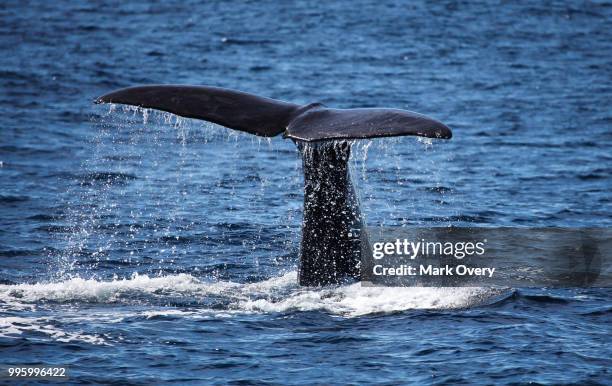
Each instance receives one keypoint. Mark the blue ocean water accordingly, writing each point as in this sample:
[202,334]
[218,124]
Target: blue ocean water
[137,247]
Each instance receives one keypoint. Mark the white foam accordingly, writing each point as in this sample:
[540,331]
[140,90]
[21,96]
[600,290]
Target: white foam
[14,326]
[355,300]
[278,294]
[92,290]
[168,312]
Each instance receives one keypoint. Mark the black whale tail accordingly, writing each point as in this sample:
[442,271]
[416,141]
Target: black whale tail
[331,231]
[269,117]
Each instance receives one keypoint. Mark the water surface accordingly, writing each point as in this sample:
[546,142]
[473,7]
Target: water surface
[139,247]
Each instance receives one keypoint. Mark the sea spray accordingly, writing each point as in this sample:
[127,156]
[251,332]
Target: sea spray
[155,163]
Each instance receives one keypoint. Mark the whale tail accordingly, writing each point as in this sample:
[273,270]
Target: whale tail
[331,230]
[269,117]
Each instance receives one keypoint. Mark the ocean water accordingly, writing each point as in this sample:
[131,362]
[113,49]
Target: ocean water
[137,247]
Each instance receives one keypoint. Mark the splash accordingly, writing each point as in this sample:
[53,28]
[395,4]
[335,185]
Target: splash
[171,162]
[278,294]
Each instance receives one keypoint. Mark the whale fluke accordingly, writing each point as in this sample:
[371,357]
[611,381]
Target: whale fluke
[269,117]
[332,237]
[321,123]
[234,109]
